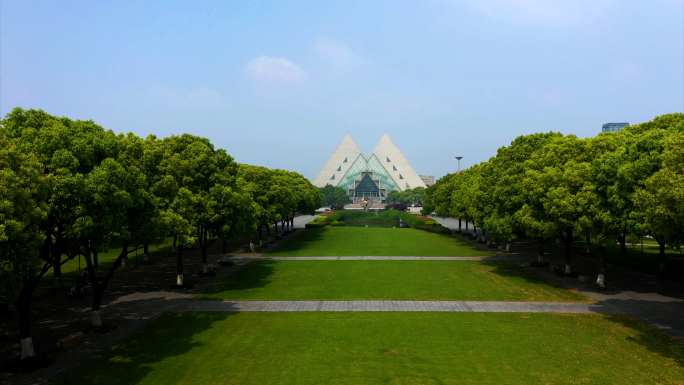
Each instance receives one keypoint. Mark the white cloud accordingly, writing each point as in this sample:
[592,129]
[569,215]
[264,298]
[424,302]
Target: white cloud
[275,70]
[547,12]
[334,51]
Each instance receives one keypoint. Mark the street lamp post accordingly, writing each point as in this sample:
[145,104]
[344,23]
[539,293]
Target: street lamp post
[459,162]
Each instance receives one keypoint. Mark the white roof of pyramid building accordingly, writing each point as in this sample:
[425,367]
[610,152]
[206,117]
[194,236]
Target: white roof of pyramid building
[396,164]
[339,162]
[399,171]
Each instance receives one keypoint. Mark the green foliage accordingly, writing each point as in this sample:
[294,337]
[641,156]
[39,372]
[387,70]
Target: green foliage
[333,195]
[23,189]
[316,225]
[337,223]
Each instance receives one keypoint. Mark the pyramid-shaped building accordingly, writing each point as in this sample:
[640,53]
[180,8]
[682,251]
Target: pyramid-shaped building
[386,169]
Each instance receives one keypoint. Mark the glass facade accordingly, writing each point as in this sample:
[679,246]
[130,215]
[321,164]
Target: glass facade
[613,127]
[365,170]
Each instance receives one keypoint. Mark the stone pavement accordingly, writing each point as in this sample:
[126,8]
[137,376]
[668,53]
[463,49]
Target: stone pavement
[396,306]
[370,258]
[655,300]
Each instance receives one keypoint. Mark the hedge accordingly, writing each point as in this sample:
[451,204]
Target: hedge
[316,225]
[434,229]
[338,223]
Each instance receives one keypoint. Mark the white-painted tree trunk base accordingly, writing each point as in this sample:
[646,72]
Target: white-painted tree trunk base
[251,246]
[508,247]
[27,348]
[540,259]
[58,282]
[269,239]
[558,241]
[260,243]
[662,266]
[179,279]
[174,249]
[123,262]
[146,258]
[484,238]
[601,280]
[568,270]
[588,249]
[97,272]
[95,318]
[488,242]
[204,268]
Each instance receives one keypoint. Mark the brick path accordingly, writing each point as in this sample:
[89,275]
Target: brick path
[397,306]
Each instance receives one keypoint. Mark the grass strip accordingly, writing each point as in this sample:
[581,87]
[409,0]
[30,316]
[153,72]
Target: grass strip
[389,348]
[388,280]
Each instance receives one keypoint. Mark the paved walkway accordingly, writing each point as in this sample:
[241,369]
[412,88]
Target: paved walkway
[370,258]
[655,300]
[397,306]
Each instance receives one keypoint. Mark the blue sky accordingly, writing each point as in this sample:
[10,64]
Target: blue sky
[278,84]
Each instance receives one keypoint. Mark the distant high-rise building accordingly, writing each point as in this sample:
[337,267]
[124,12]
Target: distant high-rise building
[613,127]
[427,179]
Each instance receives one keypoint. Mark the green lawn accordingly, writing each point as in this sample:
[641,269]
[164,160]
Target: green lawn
[398,280]
[70,270]
[374,241]
[389,348]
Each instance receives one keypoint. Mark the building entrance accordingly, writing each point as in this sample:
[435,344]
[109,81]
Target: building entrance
[367,188]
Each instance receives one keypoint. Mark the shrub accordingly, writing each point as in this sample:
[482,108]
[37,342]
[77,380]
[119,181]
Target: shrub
[398,207]
[322,218]
[338,223]
[337,207]
[316,225]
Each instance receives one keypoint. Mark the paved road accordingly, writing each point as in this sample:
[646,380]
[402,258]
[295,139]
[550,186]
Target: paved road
[396,306]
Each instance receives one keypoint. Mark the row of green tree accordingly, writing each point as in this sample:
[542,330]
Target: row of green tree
[605,188]
[409,196]
[70,187]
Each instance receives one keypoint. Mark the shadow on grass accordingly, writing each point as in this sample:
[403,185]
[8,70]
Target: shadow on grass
[129,362]
[654,340]
[301,241]
[255,275]
[510,269]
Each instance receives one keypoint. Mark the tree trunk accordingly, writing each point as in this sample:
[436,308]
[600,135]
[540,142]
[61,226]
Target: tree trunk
[179,266]
[662,256]
[466,222]
[146,250]
[268,233]
[225,246]
[568,240]
[459,225]
[23,304]
[204,245]
[57,267]
[622,239]
[96,264]
[540,242]
[601,280]
[99,288]
[275,227]
[588,245]
[174,249]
